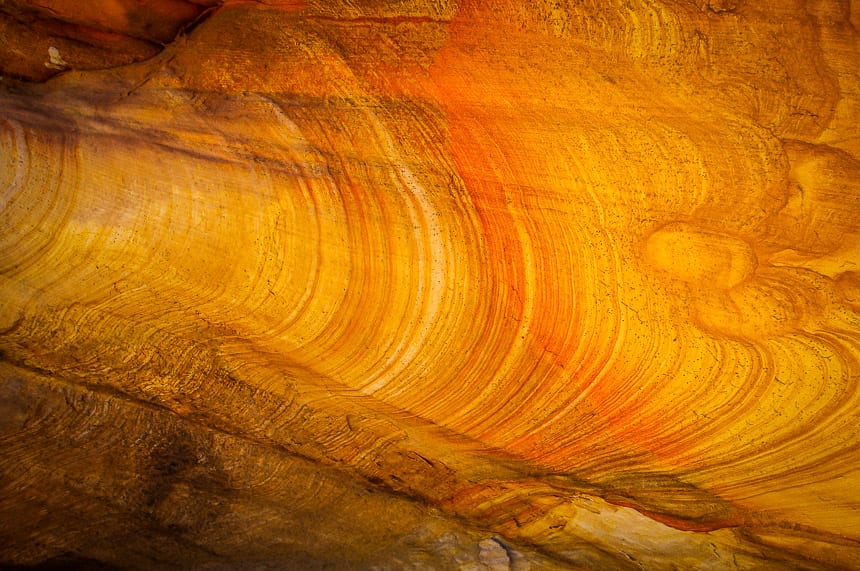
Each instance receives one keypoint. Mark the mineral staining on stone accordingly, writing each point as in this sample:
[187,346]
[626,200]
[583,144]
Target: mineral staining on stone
[499,284]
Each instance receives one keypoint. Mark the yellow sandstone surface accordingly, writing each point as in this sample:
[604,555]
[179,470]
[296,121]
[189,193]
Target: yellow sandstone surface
[432,285]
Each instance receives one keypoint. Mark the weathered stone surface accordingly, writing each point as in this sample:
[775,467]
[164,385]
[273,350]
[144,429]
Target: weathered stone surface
[477,285]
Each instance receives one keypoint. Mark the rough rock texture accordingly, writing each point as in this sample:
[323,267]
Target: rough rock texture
[430,285]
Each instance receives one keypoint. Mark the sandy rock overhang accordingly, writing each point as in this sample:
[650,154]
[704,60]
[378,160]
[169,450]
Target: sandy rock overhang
[429,284]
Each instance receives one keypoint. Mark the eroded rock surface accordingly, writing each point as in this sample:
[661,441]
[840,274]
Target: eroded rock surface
[476,285]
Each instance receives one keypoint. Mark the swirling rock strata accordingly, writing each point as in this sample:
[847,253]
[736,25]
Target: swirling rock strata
[488,284]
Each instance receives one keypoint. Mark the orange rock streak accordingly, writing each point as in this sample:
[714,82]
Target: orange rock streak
[573,283]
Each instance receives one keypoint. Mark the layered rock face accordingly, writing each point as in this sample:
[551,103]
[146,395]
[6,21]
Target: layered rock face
[430,284]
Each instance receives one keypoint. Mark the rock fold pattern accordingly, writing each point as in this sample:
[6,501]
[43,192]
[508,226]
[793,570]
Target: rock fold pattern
[430,284]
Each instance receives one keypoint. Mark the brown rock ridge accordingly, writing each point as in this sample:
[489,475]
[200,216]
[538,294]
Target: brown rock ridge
[447,285]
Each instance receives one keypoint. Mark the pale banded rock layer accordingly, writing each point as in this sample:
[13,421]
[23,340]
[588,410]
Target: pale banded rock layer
[486,284]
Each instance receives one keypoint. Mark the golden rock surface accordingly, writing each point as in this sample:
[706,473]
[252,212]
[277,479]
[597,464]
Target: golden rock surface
[433,285]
